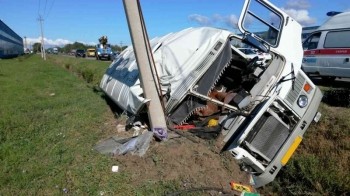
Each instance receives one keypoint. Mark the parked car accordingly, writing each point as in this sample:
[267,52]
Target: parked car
[91,52]
[80,53]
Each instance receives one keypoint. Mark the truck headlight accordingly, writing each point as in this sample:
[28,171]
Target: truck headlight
[98,53]
[302,101]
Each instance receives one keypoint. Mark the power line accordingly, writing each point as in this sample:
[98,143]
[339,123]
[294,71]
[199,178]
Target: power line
[47,15]
[45,7]
[39,7]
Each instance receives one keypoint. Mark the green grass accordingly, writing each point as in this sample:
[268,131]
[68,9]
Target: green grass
[51,116]
[49,121]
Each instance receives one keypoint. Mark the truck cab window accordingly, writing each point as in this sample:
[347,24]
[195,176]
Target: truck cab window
[312,42]
[263,22]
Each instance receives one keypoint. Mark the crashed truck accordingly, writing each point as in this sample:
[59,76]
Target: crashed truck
[263,110]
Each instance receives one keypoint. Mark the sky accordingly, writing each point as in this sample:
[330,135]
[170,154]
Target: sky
[68,21]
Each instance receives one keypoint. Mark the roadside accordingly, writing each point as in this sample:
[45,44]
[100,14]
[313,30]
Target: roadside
[52,115]
[50,121]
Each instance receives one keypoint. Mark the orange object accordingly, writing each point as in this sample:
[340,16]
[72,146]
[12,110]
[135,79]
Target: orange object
[184,127]
[240,187]
[307,87]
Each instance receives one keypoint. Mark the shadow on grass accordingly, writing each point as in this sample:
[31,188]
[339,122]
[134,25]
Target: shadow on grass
[117,111]
[338,92]
[337,97]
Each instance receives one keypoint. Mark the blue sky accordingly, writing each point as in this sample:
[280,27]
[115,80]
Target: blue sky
[67,21]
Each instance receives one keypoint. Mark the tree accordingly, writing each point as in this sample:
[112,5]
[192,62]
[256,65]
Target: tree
[36,47]
[118,48]
[76,45]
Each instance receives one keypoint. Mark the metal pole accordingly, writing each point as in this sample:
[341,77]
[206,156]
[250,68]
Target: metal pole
[43,54]
[145,64]
[25,42]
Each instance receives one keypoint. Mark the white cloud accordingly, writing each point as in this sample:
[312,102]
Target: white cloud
[297,9]
[302,16]
[298,4]
[56,42]
[202,20]
[230,21]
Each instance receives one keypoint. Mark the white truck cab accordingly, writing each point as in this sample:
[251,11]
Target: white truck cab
[265,139]
[263,110]
[327,49]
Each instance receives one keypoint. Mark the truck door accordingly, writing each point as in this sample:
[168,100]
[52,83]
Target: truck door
[273,28]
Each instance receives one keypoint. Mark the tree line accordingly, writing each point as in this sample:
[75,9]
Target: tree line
[76,45]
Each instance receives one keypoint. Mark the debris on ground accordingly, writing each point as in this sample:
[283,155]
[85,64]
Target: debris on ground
[137,145]
[240,187]
[115,168]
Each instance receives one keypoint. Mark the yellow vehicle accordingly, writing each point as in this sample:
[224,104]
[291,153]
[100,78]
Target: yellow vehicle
[90,52]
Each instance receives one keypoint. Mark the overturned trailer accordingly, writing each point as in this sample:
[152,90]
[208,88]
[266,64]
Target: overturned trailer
[263,109]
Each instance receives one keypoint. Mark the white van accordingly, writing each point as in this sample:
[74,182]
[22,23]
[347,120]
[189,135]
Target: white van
[327,50]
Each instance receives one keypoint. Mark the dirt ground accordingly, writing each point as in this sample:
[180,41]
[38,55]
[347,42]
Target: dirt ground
[194,162]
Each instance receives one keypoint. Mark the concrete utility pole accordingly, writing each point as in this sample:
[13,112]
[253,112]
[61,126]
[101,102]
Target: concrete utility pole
[121,46]
[145,65]
[43,54]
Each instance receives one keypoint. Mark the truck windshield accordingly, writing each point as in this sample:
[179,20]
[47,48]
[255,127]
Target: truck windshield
[263,22]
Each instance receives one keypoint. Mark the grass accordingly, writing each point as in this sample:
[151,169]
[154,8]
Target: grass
[51,115]
[49,121]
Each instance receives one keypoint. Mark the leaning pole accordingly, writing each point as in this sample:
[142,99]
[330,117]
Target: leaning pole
[145,65]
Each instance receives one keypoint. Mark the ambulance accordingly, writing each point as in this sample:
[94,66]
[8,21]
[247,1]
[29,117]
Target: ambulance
[327,50]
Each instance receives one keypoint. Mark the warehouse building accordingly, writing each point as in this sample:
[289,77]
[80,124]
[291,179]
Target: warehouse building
[11,44]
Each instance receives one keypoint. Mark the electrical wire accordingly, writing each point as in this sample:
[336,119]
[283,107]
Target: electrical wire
[150,57]
[45,7]
[39,7]
[47,15]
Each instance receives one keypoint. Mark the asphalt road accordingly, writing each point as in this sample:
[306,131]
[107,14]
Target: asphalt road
[89,58]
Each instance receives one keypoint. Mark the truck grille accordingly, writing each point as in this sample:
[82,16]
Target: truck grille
[298,85]
[267,136]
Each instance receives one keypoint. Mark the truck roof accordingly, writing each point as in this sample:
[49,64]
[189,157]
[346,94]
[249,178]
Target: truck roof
[338,21]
